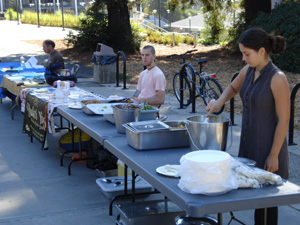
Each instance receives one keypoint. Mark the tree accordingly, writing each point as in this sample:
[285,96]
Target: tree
[253,7]
[119,29]
[213,14]
[108,22]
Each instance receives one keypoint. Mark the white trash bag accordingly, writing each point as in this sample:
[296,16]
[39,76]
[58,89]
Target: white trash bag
[207,172]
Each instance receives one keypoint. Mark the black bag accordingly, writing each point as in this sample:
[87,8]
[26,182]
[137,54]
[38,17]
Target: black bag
[51,75]
[104,160]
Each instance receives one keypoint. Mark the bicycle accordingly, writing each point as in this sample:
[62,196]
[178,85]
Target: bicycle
[206,86]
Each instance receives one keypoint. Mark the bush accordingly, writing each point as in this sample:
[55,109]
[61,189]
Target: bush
[54,20]
[10,14]
[92,29]
[284,20]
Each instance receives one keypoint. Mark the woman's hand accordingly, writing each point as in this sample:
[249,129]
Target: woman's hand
[271,164]
[212,107]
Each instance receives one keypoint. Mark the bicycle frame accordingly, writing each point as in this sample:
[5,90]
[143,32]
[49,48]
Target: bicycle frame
[184,72]
[202,82]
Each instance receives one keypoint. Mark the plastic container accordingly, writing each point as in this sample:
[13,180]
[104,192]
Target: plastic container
[116,187]
[22,61]
[121,167]
[206,172]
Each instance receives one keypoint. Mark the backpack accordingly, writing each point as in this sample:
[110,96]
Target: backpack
[65,141]
[51,75]
[104,160]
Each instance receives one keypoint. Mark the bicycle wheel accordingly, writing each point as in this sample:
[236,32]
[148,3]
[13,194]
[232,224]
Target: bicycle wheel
[212,90]
[186,89]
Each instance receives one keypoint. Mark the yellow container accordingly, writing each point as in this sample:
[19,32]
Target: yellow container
[121,167]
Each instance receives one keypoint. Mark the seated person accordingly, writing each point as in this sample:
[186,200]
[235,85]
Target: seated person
[152,83]
[54,56]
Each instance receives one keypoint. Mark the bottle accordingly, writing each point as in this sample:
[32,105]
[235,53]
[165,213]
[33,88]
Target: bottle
[59,94]
[22,61]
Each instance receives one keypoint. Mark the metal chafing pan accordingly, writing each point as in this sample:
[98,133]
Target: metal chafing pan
[157,139]
[149,125]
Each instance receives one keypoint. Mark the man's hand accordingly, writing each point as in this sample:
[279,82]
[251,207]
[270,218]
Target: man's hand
[40,63]
[136,100]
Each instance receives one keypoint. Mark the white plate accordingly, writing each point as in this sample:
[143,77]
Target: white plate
[168,170]
[76,105]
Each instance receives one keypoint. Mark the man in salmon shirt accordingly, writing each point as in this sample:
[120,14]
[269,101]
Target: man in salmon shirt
[152,82]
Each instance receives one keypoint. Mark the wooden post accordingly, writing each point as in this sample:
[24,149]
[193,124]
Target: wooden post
[173,43]
[195,40]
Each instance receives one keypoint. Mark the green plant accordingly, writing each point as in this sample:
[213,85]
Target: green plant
[92,29]
[11,14]
[284,20]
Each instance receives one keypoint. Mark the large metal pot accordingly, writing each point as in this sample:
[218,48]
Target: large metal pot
[125,113]
[186,220]
[208,132]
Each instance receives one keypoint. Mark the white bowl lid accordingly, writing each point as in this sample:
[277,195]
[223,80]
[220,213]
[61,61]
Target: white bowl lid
[206,156]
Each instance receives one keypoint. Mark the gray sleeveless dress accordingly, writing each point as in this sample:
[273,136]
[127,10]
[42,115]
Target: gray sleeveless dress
[259,119]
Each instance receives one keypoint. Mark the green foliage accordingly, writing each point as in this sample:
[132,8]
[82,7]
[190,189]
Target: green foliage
[138,36]
[11,14]
[188,40]
[167,38]
[91,30]
[284,20]
[54,20]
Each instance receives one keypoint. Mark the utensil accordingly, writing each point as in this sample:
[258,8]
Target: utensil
[117,183]
[108,180]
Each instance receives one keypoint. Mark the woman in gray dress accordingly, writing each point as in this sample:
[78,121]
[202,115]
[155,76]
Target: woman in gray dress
[264,92]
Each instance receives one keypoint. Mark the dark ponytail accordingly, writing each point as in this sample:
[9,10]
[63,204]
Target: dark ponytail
[255,38]
[277,44]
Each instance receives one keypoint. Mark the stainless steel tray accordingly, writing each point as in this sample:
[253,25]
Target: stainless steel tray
[158,139]
[145,115]
[149,125]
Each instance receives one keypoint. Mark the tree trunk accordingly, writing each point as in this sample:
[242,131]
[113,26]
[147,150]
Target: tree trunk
[119,29]
[253,7]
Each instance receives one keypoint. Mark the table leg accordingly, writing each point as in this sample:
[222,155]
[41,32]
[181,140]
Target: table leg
[265,216]
[45,141]
[133,186]
[125,179]
[219,218]
[13,106]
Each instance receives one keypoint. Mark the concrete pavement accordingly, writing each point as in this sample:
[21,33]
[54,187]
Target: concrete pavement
[34,189]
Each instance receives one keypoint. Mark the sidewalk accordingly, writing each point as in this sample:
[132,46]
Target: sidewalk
[34,189]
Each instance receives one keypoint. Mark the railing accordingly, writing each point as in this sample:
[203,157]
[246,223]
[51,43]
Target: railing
[182,74]
[152,26]
[291,125]
[124,69]
[232,103]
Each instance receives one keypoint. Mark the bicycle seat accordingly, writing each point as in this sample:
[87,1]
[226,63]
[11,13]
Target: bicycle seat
[201,61]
